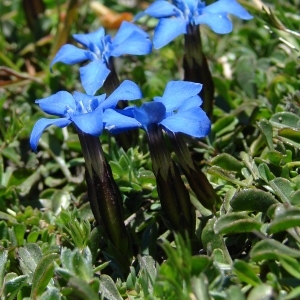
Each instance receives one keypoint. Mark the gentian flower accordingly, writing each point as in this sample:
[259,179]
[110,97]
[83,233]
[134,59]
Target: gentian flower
[130,39]
[178,110]
[175,18]
[85,111]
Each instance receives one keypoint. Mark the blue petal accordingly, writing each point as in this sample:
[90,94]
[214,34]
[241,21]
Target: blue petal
[127,90]
[91,123]
[41,125]
[135,44]
[167,30]
[89,101]
[192,4]
[90,38]
[192,102]
[93,76]
[57,104]
[177,92]
[162,9]
[126,30]
[69,54]
[150,113]
[228,6]
[116,122]
[219,23]
[193,122]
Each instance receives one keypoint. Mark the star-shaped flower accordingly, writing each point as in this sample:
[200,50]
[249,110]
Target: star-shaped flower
[130,39]
[175,18]
[178,110]
[85,111]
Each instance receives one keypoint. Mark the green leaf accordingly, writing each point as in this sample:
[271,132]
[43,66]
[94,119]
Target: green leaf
[246,273]
[223,125]
[212,241]
[267,132]
[227,162]
[147,265]
[13,284]
[290,136]
[275,157]
[43,274]
[252,200]
[265,172]
[19,230]
[282,188]
[82,267]
[226,175]
[234,293]
[294,294]
[270,250]
[290,264]
[199,264]
[82,289]
[3,260]
[108,288]
[200,288]
[29,257]
[236,223]
[50,294]
[7,217]
[285,119]
[287,218]
[262,291]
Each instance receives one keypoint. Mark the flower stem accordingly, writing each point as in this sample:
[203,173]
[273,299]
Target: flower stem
[196,67]
[112,82]
[196,178]
[105,198]
[174,197]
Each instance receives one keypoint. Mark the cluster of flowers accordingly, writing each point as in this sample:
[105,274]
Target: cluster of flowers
[179,105]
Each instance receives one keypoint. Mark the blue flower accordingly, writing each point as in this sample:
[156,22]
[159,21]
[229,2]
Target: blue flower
[175,18]
[178,110]
[130,39]
[85,111]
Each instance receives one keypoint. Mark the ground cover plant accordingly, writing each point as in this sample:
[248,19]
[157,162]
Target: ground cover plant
[149,150]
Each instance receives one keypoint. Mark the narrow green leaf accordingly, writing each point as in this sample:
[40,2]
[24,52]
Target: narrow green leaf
[282,188]
[82,290]
[265,172]
[252,200]
[7,217]
[43,274]
[267,132]
[246,273]
[294,294]
[291,265]
[19,230]
[236,223]
[108,288]
[29,256]
[290,136]
[147,264]
[289,218]
[200,288]
[3,260]
[270,250]
[227,162]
